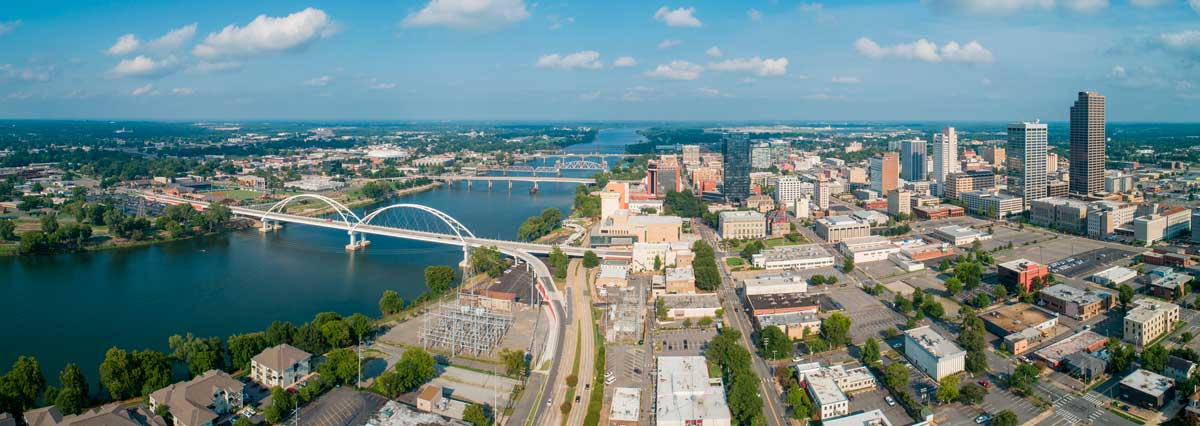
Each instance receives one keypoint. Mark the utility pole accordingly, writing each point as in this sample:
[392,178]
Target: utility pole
[359,351]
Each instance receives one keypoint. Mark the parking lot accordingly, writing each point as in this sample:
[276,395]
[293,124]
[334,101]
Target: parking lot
[874,399]
[869,317]
[624,361]
[685,342]
[995,401]
[1089,262]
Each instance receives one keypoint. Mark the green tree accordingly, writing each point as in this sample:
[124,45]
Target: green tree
[836,329]
[559,261]
[74,395]
[1154,358]
[953,285]
[282,403]
[658,264]
[971,393]
[376,189]
[1024,378]
[243,347]
[947,389]
[439,278]
[155,369]
[801,405]
[1120,356]
[49,223]
[660,309]
[416,366]
[390,303]
[200,354]
[488,260]
[775,343]
[242,421]
[23,384]
[119,373]
[870,351]
[1125,295]
[1005,418]
[590,260]
[336,333]
[360,326]
[477,415]
[340,366]
[8,229]
[514,362]
[848,265]
[896,375]
[280,332]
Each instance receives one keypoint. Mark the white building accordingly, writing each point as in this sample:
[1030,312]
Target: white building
[837,228]
[827,386]
[822,191]
[626,407]
[945,156]
[742,224]
[691,306]
[281,365]
[868,418]
[675,253]
[932,353]
[686,396]
[1149,319]
[787,190]
[775,283]
[1114,276]
[1149,229]
[1026,151]
[808,256]
[960,235]
[867,249]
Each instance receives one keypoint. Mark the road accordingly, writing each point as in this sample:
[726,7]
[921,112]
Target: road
[735,310]
[577,280]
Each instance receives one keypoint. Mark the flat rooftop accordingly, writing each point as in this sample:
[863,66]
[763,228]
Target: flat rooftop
[626,405]
[691,301]
[1014,318]
[1017,264]
[807,251]
[1076,295]
[741,215]
[959,231]
[834,221]
[685,391]
[788,301]
[1148,382]
[1077,342]
[867,418]
[1146,309]
[933,342]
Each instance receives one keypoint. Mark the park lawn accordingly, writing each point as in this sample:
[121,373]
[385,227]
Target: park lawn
[770,243]
[240,194]
[734,261]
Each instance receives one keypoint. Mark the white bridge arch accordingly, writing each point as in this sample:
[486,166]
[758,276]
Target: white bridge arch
[341,209]
[460,230]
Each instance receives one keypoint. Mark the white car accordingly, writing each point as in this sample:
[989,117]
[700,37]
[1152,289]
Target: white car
[890,401]
[797,359]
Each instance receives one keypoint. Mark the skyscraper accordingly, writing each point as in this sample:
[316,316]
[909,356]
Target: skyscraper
[1087,144]
[912,159]
[884,172]
[737,167]
[1027,160]
[945,155]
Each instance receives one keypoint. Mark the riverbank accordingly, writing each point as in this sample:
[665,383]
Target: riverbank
[364,202]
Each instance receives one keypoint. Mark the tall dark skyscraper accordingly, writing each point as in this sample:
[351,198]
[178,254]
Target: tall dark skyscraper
[913,157]
[737,167]
[1087,144]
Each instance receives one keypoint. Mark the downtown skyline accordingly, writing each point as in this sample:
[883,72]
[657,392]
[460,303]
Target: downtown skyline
[975,60]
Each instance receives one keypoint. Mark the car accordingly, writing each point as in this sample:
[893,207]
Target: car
[587,386]
[797,359]
[983,418]
[986,384]
[609,374]
[549,401]
[576,398]
[896,346]
[610,381]
[890,401]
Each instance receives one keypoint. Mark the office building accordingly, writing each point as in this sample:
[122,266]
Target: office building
[945,156]
[1081,304]
[686,396]
[960,235]
[807,256]
[691,154]
[1165,283]
[1027,160]
[1149,319]
[935,355]
[1022,326]
[1195,225]
[1021,273]
[827,386]
[1147,389]
[742,224]
[626,407]
[760,156]
[1116,182]
[775,283]
[1104,217]
[1087,144]
[971,180]
[899,202]
[1149,229]
[995,156]
[780,151]
[787,189]
[913,154]
[992,204]
[867,418]
[821,193]
[1114,276]
[836,228]
[1179,222]
[736,160]
[885,172]
[871,248]
[1060,213]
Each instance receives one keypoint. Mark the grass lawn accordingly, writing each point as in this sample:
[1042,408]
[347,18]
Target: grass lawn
[771,242]
[734,261]
[240,194]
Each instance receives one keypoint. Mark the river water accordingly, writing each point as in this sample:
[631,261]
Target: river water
[72,308]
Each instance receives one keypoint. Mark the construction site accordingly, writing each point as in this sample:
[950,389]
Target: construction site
[467,324]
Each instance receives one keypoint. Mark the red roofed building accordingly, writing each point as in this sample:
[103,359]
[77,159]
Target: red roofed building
[1021,272]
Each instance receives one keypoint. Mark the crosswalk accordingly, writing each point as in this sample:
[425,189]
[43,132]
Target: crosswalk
[1074,417]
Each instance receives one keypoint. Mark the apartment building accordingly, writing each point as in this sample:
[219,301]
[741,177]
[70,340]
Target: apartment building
[1149,319]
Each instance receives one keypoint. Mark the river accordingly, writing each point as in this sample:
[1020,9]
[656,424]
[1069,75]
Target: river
[73,307]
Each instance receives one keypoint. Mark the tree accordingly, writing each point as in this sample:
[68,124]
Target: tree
[775,343]
[896,375]
[559,261]
[243,347]
[74,395]
[280,332]
[836,329]
[390,303]
[242,421]
[971,393]
[360,326]
[902,304]
[660,309]
[933,308]
[21,387]
[752,248]
[375,189]
[1120,356]
[848,265]
[870,351]
[1154,358]
[439,278]
[336,333]
[1125,295]
[1000,293]
[947,389]
[282,403]
[982,300]
[798,399]
[590,260]
[8,229]
[488,260]
[200,354]
[976,362]
[1024,378]
[953,285]
[49,223]
[658,263]
[155,370]
[477,415]
[1005,418]
[119,374]
[416,366]
[514,362]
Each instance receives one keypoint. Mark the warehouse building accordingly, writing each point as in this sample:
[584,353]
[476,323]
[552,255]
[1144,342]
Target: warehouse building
[932,353]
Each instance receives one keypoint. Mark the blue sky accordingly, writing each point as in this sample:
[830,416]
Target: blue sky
[599,60]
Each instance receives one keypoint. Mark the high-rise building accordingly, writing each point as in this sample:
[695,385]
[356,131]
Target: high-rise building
[760,156]
[945,155]
[1087,144]
[691,154]
[913,155]
[1027,160]
[737,167]
[787,189]
[899,202]
[821,193]
[995,155]
[884,171]
[780,150]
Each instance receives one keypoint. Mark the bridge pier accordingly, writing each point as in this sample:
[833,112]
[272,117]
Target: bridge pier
[534,190]
[469,182]
[358,243]
[510,186]
[489,185]
[267,226]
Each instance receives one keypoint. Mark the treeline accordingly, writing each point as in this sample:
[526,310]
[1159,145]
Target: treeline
[380,189]
[704,266]
[538,226]
[55,237]
[733,361]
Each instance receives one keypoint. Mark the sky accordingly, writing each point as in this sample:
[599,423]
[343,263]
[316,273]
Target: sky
[770,60]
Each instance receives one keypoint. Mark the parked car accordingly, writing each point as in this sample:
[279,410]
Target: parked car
[983,418]
[890,401]
[986,384]
[797,359]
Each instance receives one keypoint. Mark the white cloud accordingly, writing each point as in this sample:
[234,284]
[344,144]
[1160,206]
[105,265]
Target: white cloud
[676,70]
[1195,6]
[125,45]
[757,16]
[182,91]
[321,81]
[638,93]
[666,44]
[708,92]
[207,67]
[586,59]
[845,80]
[925,50]
[815,9]
[557,22]
[1008,7]
[173,39]
[142,90]
[35,72]
[1118,72]
[625,61]
[1186,43]
[589,96]
[1142,77]
[144,66]
[9,26]
[759,66]
[468,14]
[822,97]
[267,34]
[714,52]
[375,84]
[1149,3]
[681,17]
